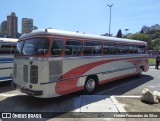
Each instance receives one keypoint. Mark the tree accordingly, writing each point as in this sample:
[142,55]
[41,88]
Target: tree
[156,44]
[142,37]
[142,32]
[119,34]
[154,34]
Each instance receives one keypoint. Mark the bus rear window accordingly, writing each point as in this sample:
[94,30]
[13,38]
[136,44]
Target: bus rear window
[35,46]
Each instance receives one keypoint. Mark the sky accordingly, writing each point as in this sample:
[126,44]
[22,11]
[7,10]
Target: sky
[88,16]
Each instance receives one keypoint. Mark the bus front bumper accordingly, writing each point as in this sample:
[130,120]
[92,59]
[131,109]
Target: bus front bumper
[26,90]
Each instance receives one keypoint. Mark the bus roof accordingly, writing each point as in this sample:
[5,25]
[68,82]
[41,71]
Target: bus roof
[78,35]
[8,40]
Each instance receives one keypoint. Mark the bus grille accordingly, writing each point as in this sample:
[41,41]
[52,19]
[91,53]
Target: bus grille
[55,70]
[34,74]
[15,71]
[25,73]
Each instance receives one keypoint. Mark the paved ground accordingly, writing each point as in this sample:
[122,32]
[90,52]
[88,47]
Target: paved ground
[120,98]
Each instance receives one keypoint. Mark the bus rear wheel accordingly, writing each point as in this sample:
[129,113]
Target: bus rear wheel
[140,72]
[90,85]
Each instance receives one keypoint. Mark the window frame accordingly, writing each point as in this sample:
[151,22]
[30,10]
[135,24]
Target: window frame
[92,47]
[136,50]
[10,48]
[145,50]
[62,47]
[29,39]
[124,51]
[129,50]
[110,48]
[73,47]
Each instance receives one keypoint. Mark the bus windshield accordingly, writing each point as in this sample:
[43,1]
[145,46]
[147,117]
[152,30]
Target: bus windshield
[34,46]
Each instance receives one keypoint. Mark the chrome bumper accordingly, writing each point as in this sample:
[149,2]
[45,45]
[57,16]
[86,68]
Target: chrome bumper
[26,90]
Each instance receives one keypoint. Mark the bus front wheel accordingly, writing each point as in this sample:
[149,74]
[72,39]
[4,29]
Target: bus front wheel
[90,85]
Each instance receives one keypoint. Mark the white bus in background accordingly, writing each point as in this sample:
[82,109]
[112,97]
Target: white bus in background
[7,49]
[52,63]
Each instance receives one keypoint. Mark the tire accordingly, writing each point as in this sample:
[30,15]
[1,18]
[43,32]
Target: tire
[140,72]
[90,86]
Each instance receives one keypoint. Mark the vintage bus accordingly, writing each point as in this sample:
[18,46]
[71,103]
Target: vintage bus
[7,49]
[52,63]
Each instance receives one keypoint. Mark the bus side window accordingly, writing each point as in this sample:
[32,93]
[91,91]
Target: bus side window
[92,48]
[57,47]
[13,49]
[135,49]
[120,49]
[112,48]
[131,49]
[5,49]
[125,49]
[88,49]
[77,48]
[106,49]
[97,48]
[73,47]
[141,49]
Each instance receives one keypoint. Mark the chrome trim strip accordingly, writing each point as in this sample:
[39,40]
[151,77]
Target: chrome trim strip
[107,72]
[82,57]
[6,68]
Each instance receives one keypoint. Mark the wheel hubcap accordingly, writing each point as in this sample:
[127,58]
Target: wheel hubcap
[140,71]
[90,85]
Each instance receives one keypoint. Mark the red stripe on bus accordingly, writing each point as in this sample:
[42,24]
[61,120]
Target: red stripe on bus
[69,86]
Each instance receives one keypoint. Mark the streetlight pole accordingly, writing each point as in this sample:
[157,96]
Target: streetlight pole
[110,18]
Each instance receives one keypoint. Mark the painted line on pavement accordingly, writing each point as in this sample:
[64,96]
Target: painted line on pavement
[128,96]
[119,106]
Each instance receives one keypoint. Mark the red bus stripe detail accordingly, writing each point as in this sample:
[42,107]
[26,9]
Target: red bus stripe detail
[69,86]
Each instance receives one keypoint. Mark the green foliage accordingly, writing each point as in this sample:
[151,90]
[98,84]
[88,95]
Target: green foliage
[153,31]
[156,44]
[154,34]
[141,32]
[142,37]
[152,37]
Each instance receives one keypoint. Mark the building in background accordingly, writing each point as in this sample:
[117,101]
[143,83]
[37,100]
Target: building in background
[12,25]
[4,28]
[0,29]
[27,25]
